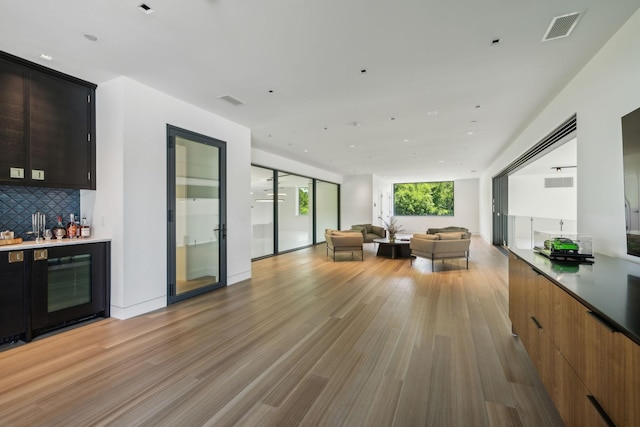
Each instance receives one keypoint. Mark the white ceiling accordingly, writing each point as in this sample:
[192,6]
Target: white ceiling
[421,56]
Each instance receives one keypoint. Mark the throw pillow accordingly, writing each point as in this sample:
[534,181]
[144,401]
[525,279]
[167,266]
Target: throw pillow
[427,236]
[450,236]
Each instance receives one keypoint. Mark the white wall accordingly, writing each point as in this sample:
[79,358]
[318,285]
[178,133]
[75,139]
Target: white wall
[356,201]
[130,202]
[382,207]
[529,197]
[606,89]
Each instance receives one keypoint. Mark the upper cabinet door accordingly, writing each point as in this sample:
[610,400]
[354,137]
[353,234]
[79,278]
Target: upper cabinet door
[12,121]
[47,127]
[60,145]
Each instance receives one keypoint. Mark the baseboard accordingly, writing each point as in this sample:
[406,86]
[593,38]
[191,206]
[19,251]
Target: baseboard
[138,309]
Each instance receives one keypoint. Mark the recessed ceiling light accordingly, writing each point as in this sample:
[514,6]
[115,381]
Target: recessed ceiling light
[355,124]
[441,161]
[145,9]
[405,140]
[469,133]
[46,57]
[432,113]
[90,37]
[473,171]
[393,118]
[478,106]
[352,146]
[495,42]
[474,121]
[306,151]
[325,128]
[270,91]
[364,70]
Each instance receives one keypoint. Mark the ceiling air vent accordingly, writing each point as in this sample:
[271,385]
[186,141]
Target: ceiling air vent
[231,100]
[561,26]
[558,182]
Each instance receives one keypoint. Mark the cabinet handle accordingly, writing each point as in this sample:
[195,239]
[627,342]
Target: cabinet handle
[40,254]
[536,322]
[37,175]
[602,321]
[600,410]
[16,256]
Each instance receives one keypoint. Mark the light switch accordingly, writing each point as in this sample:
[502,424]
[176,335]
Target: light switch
[16,173]
[37,175]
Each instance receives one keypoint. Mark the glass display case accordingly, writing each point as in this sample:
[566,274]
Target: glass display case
[563,246]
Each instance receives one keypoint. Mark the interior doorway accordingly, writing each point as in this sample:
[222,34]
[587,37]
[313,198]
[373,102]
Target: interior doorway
[196,214]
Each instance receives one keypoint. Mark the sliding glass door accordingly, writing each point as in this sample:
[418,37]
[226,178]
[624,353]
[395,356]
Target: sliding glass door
[196,226]
[327,208]
[289,211]
[295,211]
[262,212]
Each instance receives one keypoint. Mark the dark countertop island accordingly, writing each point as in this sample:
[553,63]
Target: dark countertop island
[610,287]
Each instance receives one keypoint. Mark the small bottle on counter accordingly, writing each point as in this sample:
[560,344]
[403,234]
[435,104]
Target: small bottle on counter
[58,230]
[85,230]
[72,228]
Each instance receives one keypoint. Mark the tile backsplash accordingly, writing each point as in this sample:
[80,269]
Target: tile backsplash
[18,203]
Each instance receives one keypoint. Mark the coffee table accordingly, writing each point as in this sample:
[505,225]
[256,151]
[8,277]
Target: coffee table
[399,248]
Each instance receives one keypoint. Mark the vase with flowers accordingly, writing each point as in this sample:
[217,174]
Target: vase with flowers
[392,227]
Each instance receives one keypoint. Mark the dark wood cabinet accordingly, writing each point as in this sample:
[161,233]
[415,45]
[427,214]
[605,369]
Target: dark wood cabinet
[68,283]
[49,287]
[12,296]
[48,127]
[60,131]
[13,118]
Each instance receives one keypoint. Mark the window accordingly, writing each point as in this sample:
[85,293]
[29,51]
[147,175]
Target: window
[303,200]
[423,198]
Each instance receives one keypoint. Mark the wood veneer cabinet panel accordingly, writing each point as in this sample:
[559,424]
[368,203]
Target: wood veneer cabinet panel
[571,396]
[632,383]
[568,333]
[546,359]
[610,371]
[530,310]
[60,118]
[543,302]
[517,296]
[12,118]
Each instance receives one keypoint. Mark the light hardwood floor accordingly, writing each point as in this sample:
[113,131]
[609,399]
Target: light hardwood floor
[306,342]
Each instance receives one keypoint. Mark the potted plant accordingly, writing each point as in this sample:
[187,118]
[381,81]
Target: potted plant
[392,227]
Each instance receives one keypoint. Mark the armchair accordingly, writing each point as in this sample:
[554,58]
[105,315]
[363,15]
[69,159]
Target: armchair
[344,241]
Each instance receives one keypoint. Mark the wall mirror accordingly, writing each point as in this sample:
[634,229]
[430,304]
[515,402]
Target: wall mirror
[631,156]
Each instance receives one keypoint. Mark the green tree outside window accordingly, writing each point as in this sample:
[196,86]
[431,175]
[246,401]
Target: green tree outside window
[303,201]
[423,199]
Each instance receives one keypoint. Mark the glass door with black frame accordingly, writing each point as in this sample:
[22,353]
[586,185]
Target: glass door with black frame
[197,231]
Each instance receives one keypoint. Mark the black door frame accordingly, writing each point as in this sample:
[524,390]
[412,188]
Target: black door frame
[172,133]
[500,182]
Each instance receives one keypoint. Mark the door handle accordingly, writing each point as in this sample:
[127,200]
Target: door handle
[223,229]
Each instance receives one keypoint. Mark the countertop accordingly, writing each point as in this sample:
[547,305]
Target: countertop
[30,244]
[610,287]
